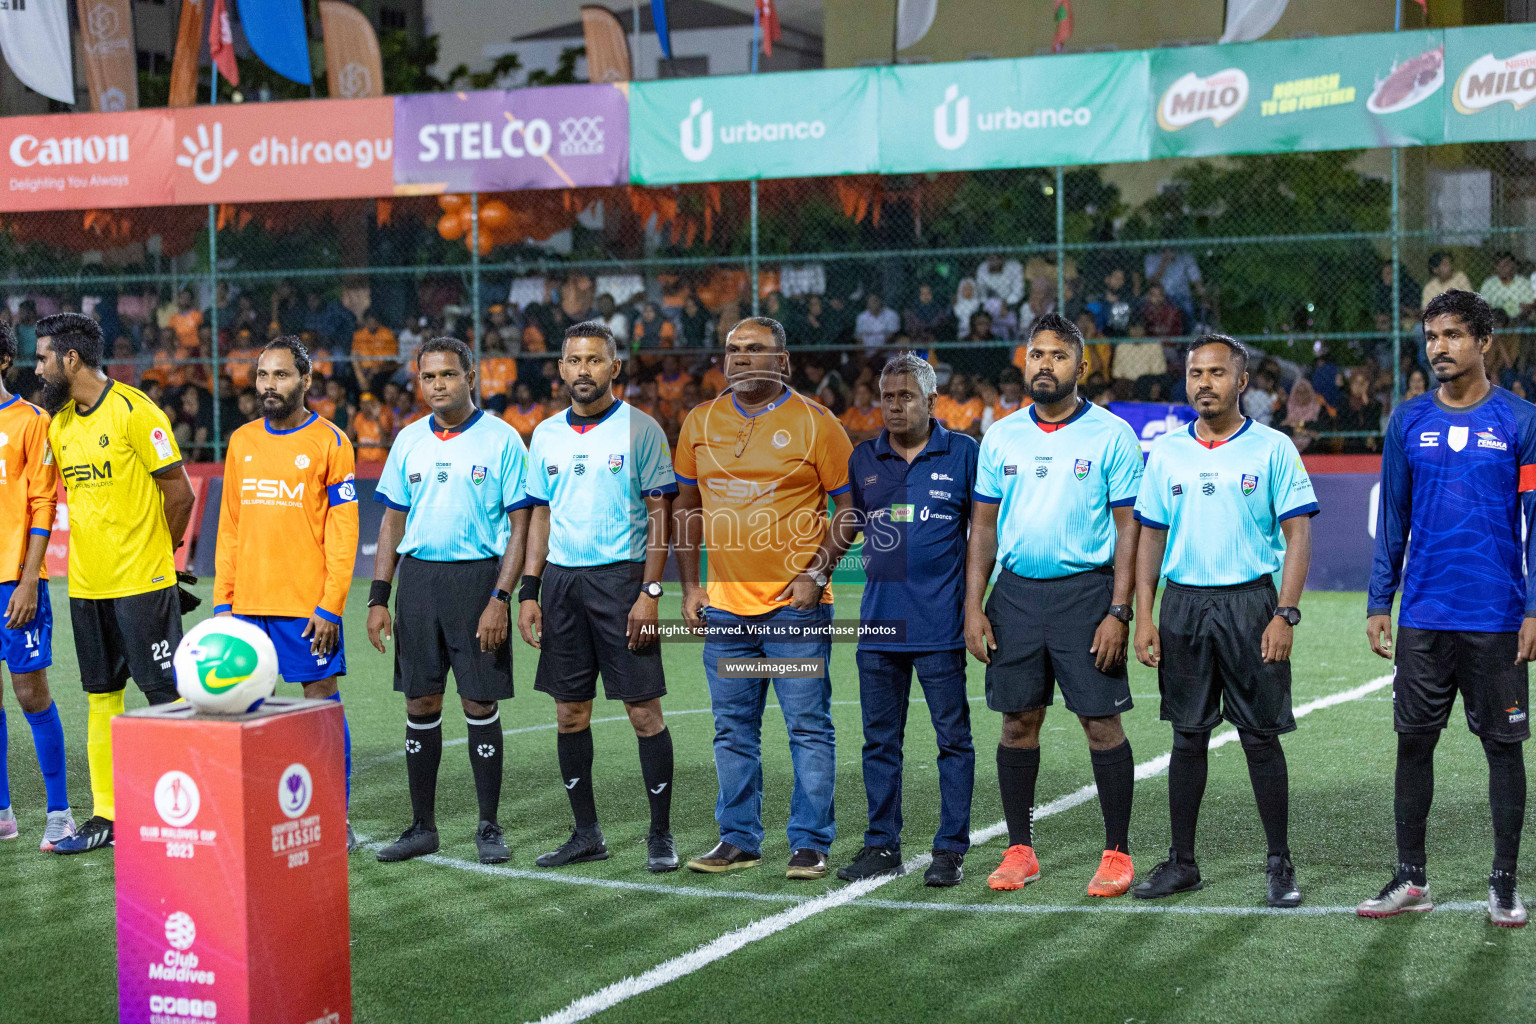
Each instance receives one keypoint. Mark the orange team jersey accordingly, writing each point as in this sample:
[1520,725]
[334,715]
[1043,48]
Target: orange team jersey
[765,510]
[1021,357]
[185,325]
[241,367]
[1000,409]
[523,420]
[288,522]
[670,389]
[863,420]
[372,437]
[375,343]
[29,484]
[416,412]
[957,415]
[320,362]
[714,379]
[164,371]
[497,375]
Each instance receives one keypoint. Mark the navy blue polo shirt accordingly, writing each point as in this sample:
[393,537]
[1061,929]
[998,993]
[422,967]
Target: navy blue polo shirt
[915,520]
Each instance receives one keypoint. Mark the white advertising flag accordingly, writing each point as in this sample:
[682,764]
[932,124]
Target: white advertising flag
[1248,20]
[34,36]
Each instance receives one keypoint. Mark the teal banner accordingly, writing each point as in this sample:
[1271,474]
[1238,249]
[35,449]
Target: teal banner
[1491,75]
[1015,113]
[790,125]
[1341,92]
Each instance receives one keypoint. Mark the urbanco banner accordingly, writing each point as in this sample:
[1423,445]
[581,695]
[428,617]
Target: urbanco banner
[1083,108]
[794,124]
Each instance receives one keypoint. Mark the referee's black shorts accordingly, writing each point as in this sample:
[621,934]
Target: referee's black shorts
[1044,631]
[1431,665]
[586,612]
[119,637]
[1212,667]
[437,613]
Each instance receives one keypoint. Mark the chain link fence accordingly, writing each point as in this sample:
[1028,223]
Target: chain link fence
[1320,262]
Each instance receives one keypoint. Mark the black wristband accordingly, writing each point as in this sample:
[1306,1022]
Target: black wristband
[528,590]
[378,593]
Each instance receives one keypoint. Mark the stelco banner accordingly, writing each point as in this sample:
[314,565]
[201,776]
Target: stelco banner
[1342,92]
[791,125]
[563,136]
[1014,113]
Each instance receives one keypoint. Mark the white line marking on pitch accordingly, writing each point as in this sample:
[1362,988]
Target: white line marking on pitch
[722,947]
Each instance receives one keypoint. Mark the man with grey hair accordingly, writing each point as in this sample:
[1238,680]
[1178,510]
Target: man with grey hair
[912,491]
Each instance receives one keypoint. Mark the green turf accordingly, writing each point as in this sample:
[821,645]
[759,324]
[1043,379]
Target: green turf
[431,942]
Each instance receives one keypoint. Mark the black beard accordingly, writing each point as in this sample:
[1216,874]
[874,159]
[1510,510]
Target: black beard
[290,405]
[55,395]
[1043,393]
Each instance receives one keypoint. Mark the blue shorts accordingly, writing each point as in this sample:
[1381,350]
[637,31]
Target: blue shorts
[29,649]
[295,663]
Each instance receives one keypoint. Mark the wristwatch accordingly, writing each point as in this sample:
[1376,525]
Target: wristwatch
[1122,612]
[504,596]
[819,578]
[652,590]
[1290,615]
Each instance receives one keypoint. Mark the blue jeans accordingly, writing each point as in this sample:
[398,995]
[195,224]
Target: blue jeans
[885,686]
[738,708]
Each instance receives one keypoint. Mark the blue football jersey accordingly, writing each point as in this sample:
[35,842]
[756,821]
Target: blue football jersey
[595,481]
[1458,481]
[1222,506]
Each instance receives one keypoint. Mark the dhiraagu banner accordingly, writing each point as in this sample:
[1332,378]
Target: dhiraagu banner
[1086,108]
[1491,71]
[786,125]
[1340,92]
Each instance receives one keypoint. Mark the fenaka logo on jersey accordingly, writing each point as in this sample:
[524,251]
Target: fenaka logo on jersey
[1219,98]
[1489,81]
[477,474]
[1249,483]
[1080,468]
[1486,438]
[1516,715]
[272,490]
[1456,438]
[615,463]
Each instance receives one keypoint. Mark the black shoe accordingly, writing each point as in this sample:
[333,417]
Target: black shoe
[1282,883]
[93,835]
[945,869]
[1171,876]
[490,844]
[872,862]
[807,865]
[724,857]
[660,852]
[584,845]
[416,841]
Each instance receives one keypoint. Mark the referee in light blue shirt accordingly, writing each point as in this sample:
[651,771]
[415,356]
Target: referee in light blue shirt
[456,515]
[600,478]
[1224,505]
[1054,490]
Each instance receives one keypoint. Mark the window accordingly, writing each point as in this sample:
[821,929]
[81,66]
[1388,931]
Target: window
[392,20]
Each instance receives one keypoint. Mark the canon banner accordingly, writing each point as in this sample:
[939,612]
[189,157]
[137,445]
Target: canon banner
[79,161]
[1341,92]
[563,136]
[789,125]
[1014,113]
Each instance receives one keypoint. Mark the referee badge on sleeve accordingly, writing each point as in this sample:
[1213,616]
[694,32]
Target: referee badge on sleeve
[1249,483]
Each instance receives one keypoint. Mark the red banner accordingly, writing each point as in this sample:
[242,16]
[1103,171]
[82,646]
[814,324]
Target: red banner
[80,161]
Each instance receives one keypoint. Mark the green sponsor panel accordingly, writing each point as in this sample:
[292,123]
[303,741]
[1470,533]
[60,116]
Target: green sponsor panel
[787,125]
[1032,112]
[1490,74]
[1342,92]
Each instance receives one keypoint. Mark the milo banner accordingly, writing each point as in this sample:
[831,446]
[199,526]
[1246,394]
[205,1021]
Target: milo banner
[1492,81]
[1015,113]
[796,124]
[1341,92]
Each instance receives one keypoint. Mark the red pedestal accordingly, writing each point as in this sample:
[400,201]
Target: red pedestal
[232,866]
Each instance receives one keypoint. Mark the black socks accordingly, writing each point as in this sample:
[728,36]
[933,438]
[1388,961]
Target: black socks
[1506,798]
[1017,770]
[656,770]
[1268,773]
[1413,791]
[575,751]
[1114,772]
[423,754]
[485,760]
[1187,769]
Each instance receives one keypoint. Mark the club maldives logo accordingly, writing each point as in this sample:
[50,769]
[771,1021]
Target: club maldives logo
[1217,97]
[1005,119]
[696,132]
[180,931]
[295,788]
[205,156]
[176,799]
[1491,80]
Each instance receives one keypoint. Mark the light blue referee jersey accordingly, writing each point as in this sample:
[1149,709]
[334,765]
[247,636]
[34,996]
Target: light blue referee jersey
[1222,506]
[456,488]
[1055,484]
[595,479]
